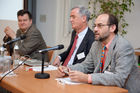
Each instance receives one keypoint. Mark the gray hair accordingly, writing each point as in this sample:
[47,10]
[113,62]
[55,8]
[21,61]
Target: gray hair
[83,12]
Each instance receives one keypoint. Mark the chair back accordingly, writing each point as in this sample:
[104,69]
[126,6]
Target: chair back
[133,82]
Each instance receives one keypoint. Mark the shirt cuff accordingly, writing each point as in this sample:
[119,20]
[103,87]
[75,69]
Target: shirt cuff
[89,79]
[59,57]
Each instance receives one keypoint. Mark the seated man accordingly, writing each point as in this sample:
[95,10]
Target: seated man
[110,60]
[80,46]
[33,41]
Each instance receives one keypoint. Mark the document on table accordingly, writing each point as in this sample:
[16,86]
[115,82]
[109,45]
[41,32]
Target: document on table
[46,68]
[67,81]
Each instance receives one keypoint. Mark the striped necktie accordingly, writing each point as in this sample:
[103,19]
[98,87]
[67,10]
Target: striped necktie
[102,59]
[71,51]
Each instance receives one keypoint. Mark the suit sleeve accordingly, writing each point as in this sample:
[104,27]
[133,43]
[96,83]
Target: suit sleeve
[31,43]
[124,61]
[87,66]
[90,41]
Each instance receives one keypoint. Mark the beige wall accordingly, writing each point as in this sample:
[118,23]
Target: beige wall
[3,24]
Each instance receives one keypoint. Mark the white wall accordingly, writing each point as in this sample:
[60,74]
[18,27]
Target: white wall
[133,29]
[9,8]
[47,8]
[8,15]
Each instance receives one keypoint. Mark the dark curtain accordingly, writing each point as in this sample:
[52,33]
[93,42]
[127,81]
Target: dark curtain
[30,5]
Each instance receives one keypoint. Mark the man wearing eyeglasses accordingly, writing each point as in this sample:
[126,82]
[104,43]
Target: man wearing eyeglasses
[110,59]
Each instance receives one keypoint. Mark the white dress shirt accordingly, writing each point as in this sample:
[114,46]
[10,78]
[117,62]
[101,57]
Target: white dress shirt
[81,36]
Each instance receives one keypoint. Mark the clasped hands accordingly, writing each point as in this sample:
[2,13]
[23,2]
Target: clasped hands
[73,75]
[9,32]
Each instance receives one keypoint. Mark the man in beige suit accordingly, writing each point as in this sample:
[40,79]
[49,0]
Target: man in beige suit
[33,41]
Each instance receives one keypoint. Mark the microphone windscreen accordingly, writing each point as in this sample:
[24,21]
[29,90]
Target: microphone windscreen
[60,46]
[23,36]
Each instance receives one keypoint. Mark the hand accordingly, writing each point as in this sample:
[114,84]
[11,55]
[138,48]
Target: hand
[61,71]
[56,62]
[78,76]
[9,32]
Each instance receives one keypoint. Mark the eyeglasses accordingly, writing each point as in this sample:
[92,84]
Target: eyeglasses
[100,25]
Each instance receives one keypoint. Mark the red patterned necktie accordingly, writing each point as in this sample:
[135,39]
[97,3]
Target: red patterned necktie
[102,59]
[71,51]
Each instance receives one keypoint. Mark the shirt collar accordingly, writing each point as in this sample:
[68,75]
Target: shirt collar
[83,32]
[108,44]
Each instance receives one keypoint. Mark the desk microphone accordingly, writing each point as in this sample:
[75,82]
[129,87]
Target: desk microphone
[14,40]
[58,47]
[43,75]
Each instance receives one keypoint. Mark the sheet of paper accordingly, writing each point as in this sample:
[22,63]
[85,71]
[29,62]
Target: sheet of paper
[67,81]
[49,68]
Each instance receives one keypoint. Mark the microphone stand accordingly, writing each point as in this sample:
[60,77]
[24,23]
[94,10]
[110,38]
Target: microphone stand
[42,75]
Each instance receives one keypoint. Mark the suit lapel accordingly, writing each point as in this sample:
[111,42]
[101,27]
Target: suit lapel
[82,45]
[72,40]
[98,58]
[110,53]
[108,59]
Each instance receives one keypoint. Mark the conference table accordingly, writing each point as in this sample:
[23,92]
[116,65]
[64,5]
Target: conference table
[25,82]
[137,53]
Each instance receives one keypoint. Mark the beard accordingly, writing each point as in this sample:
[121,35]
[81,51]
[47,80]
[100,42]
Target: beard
[103,37]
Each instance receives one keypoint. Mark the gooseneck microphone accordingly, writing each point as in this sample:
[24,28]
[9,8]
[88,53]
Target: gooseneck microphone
[58,47]
[14,40]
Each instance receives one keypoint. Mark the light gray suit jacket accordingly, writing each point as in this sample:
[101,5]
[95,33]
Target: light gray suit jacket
[119,62]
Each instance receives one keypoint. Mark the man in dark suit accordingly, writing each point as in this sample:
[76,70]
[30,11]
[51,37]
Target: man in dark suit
[33,41]
[79,18]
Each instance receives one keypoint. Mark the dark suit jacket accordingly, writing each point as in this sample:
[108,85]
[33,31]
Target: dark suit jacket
[32,43]
[84,46]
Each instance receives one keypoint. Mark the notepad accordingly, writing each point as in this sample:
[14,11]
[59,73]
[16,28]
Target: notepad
[34,62]
[38,68]
[67,81]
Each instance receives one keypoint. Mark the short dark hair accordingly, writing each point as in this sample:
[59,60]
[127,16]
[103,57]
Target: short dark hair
[112,20]
[22,12]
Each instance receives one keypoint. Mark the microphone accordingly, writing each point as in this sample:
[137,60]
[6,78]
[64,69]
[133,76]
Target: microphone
[58,47]
[43,75]
[14,40]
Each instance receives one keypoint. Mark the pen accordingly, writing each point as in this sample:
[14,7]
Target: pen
[66,72]
[61,64]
